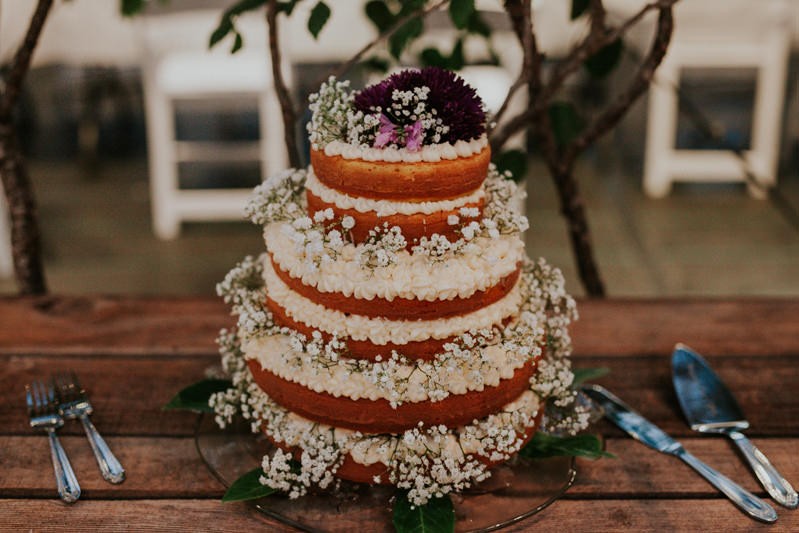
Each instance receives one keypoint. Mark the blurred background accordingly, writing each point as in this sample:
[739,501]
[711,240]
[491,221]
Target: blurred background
[122,212]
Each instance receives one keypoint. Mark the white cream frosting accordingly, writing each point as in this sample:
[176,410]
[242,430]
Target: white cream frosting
[381,331]
[457,442]
[430,153]
[275,354]
[385,208]
[412,276]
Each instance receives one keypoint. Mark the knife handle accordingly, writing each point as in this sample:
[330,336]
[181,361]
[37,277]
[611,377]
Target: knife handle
[745,500]
[776,485]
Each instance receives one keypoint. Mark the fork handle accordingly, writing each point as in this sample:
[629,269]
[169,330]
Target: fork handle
[67,483]
[776,485]
[109,465]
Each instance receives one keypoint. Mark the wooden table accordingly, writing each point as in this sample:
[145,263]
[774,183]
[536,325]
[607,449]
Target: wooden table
[135,353]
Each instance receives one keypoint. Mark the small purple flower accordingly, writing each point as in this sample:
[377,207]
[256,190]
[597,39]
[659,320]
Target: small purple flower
[414,136]
[387,133]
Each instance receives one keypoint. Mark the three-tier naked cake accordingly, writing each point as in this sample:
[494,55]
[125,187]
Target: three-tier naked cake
[395,332]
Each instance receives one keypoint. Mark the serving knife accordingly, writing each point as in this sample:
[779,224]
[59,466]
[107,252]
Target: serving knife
[648,433]
[710,407]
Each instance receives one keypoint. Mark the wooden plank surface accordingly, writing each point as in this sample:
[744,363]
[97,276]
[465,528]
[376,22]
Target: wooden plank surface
[159,467]
[707,515]
[129,392]
[133,354]
[112,325]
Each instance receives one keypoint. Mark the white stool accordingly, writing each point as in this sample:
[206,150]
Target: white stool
[765,48]
[185,73]
[6,260]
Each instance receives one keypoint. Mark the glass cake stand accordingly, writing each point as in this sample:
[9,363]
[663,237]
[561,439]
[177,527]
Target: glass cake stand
[515,490]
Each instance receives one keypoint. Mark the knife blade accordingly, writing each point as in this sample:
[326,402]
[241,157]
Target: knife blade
[710,407]
[644,431]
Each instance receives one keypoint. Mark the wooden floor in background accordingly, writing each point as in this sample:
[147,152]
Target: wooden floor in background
[709,240]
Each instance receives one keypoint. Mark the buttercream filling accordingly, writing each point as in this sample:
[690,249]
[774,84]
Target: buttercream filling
[429,153]
[379,330]
[455,442]
[411,276]
[389,381]
[385,208]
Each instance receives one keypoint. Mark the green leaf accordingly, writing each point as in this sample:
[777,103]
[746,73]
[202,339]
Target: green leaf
[195,397]
[247,487]
[566,123]
[238,42]
[578,8]
[319,16]
[581,375]
[375,64]
[432,57]
[404,35]
[513,161]
[603,62]
[477,25]
[225,26]
[131,7]
[543,445]
[436,516]
[287,7]
[379,14]
[460,11]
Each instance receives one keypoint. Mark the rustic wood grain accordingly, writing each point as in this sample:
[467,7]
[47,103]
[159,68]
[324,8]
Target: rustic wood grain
[156,467]
[632,327]
[160,467]
[127,393]
[142,325]
[108,325]
[709,515]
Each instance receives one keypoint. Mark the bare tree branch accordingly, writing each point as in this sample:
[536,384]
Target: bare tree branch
[26,246]
[283,95]
[639,84]
[22,59]
[388,32]
[575,59]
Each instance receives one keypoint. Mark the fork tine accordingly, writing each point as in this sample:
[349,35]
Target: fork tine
[78,387]
[29,399]
[37,398]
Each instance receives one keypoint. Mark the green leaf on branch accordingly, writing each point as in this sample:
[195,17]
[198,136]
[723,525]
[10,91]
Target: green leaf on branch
[319,17]
[460,11]
[131,7]
[477,25]
[238,42]
[375,64]
[432,57]
[578,8]
[603,62]
[566,123]
[287,7]
[195,397]
[248,487]
[406,33]
[513,161]
[436,516]
[379,14]
[581,375]
[227,23]
[543,445]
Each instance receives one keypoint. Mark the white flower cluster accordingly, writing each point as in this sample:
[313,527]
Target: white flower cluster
[381,247]
[428,462]
[317,240]
[243,289]
[501,193]
[278,198]
[331,112]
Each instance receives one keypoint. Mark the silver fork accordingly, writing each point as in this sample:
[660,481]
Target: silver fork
[74,403]
[43,413]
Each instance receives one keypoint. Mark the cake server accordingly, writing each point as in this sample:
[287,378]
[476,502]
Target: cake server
[710,407]
[648,433]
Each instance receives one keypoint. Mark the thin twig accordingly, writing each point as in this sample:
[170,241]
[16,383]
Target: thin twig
[22,59]
[388,32]
[283,95]
[589,46]
[520,13]
[638,86]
